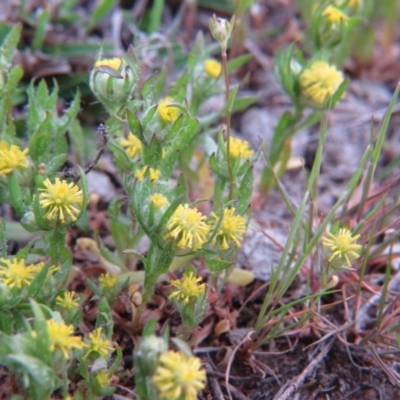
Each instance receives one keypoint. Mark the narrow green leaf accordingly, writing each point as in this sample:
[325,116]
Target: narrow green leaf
[245,191]
[8,47]
[41,28]
[238,62]
[14,77]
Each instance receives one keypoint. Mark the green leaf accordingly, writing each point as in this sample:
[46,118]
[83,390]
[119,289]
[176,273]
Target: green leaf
[108,254]
[39,142]
[6,322]
[152,155]
[158,262]
[167,215]
[154,86]
[56,163]
[43,377]
[121,159]
[85,191]
[40,325]
[238,62]
[245,191]
[8,47]
[134,124]
[15,193]
[155,15]
[41,27]
[101,11]
[38,282]
[66,120]
[216,264]
[14,77]
[148,329]
[242,103]
[121,227]
[232,96]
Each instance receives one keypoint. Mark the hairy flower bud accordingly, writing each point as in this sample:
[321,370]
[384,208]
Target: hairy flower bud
[112,81]
[221,30]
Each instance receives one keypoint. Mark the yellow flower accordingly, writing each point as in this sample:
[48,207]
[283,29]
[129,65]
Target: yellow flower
[232,228]
[103,379]
[320,81]
[168,113]
[114,63]
[108,281]
[179,376]
[67,301]
[334,16]
[154,174]
[60,336]
[132,144]
[99,346]
[187,227]
[158,200]
[16,273]
[213,68]
[188,288]
[240,149]
[342,247]
[11,158]
[61,198]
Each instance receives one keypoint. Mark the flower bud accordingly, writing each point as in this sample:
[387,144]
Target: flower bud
[149,349]
[113,82]
[221,30]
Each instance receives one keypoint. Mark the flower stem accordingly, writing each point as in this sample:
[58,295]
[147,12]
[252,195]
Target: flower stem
[228,122]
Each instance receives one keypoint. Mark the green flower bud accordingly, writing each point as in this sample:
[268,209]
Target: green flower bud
[113,82]
[221,30]
[146,357]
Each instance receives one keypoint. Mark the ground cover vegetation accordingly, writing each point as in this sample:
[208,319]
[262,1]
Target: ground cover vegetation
[136,292]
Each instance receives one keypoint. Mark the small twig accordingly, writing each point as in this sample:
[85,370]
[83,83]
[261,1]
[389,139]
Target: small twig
[232,356]
[392,375]
[102,132]
[213,384]
[286,392]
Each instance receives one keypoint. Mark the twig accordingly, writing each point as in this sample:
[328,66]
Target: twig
[213,383]
[391,374]
[102,132]
[232,356]
[286,392]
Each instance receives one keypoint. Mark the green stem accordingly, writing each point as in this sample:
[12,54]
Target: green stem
[228,123]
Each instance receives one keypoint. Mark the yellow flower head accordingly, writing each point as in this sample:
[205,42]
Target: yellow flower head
[158,200]
[187,288]
[114,63]
[168,113]
[240,149]
[342,247]
[334,16]
[154,174]
[67,301]
[132,145]
[16,273]
[187,228]
[179,376]
[11,158]
[61,338]
[213,68]
[320,81]
[108,281]
[61,199]
[103,379]
[99,346]
[232,228]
